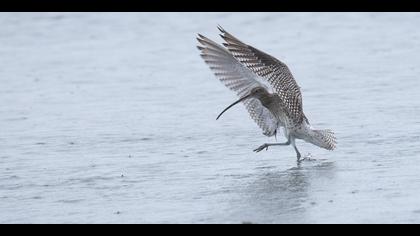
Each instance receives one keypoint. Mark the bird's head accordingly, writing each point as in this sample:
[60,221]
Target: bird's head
[256,92]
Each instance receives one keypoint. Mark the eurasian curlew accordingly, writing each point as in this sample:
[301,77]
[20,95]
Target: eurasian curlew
[266,87]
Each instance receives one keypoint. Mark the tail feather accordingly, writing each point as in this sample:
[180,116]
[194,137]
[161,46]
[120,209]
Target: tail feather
[323,138]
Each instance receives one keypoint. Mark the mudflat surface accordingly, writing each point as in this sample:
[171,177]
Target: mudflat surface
[110,118]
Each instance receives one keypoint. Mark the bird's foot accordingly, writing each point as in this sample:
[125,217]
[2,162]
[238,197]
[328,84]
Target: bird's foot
[260,148]
[307,158]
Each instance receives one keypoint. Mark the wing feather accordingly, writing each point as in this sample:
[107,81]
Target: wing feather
[275,72]
[237,77]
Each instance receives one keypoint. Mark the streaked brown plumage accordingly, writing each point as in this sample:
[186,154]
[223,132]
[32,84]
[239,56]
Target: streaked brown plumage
[266,87]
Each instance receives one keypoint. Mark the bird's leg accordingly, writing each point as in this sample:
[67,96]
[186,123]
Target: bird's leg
[266,145]
[297,151]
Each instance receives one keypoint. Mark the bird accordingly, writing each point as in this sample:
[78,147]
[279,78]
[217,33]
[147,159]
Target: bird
[266,87]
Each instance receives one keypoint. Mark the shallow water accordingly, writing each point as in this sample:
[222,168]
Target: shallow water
[110,118]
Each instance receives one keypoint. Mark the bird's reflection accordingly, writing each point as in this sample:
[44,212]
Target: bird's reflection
[282,196]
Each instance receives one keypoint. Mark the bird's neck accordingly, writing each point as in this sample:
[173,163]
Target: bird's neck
[266,99]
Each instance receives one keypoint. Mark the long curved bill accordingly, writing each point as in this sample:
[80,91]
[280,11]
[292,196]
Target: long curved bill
[233,104]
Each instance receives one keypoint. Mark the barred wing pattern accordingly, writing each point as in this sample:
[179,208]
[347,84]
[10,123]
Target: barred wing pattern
[271,69]
[239,79]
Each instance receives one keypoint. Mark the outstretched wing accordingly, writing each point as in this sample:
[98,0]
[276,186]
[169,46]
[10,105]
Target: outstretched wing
[239,79]
[275,72]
